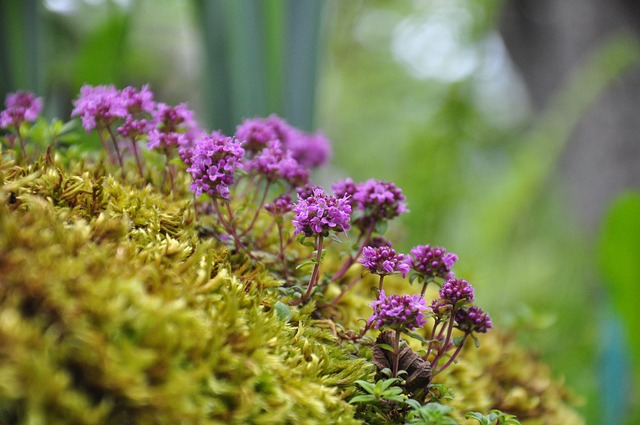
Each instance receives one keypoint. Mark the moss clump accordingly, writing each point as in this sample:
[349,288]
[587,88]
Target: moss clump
[115,307]
[113,310]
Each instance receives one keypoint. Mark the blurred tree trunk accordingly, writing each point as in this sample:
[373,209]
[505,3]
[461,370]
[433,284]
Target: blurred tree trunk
[549,40]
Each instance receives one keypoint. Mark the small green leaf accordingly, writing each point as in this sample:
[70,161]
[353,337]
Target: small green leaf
[619,260]
[334,238]
[367,386]
[385,347]
[457,340]
[418,337]
[282,311]
[386,383]
[305,264]
[381,226]
[364,398]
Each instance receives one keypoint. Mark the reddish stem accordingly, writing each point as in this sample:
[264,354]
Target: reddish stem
[314,274]
[137,156]
[257,213]
[351,260]
[453,356]
[396,354]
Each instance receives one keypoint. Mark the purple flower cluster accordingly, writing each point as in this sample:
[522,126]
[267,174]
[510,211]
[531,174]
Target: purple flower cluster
[274,162]
[256,133]
[309,150]
[399,312]
[376,200]
[214,162]
[380,199]
[454,290]
[20,107]
[473,319]
[383,261]
[164,126]
[280,206]
[174,127]
[137,101]
[99,106]
[430,262]
[379,241]
[307,190]
[319,213]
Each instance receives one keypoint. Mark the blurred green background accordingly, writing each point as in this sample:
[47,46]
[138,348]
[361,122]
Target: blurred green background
[512,127]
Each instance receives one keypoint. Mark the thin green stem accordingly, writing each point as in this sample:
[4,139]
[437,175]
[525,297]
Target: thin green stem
[21,140]
[315,273]
[285,273]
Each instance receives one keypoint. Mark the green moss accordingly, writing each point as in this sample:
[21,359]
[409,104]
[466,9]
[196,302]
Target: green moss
[114,311]
[117,308]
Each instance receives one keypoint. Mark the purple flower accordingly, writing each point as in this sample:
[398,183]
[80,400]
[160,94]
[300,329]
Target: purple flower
[99,106]
[307,190]
[214,162]
[383,261]
[431,262]
[255,133]
[379,241]
[280,206]
[138,101]
[174,127]
[134,128]
[440,308]
[399,312]
[346,187]
[310,150]
[473,319]
[377,200]
[320,213]
[454,290]
[275,163]
[20,107]
[139,105]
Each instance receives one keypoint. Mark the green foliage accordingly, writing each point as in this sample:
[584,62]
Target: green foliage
[619,259]
[495,417]
[430,414]
[382,391]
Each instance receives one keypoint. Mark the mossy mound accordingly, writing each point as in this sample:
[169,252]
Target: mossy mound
[115,309]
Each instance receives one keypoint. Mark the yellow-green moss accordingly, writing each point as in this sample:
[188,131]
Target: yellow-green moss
[115,310]
[118,313]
